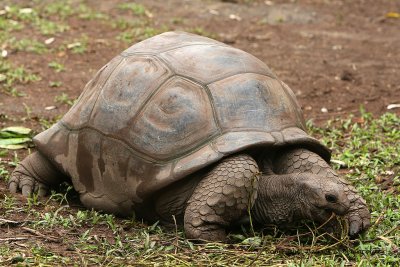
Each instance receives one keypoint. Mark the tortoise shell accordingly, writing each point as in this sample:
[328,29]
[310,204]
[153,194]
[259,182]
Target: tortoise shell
[165,108]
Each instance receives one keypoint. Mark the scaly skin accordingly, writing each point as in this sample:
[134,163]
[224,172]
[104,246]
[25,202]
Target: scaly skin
[34,174]
[304,161]
[223,196]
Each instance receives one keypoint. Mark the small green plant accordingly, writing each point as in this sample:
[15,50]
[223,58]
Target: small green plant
[64,99]
[31,16]
[46,123]
[139,34]
[47,27]
[55,83]
[87,13]
[177,20]
[135,8]
[62,8]
[56,66]
[28,45]
[9,25]
[10,76]
[78,46]
[201,31]
[124,24]
[8,202]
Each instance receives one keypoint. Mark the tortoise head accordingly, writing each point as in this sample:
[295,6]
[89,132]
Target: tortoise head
[288,198]
[319,197]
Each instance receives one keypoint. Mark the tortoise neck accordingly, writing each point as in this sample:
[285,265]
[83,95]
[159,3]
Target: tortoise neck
[276,198]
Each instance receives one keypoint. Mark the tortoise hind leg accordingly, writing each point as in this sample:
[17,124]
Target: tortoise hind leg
[223,196]
[35,174]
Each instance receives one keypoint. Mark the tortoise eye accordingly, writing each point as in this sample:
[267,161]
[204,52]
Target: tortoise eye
[331,198]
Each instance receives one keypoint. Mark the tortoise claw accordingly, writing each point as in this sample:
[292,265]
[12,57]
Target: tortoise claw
[26,184]
[358,217]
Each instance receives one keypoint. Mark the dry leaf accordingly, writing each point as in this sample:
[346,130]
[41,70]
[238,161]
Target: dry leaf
[393,15]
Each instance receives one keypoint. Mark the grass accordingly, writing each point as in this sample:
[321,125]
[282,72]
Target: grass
[63,98]
[139,34]
[63,233]
[10,76]
[30,16]
[134,8]
[56,66]
[78,46]
[28,45]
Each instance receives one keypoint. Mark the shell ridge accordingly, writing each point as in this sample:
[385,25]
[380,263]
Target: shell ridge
[242,72]
[214,112]
[172,48]
[102,87]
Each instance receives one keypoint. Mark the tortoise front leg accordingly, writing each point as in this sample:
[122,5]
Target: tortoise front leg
[299,160]
[223,196]
[34,174]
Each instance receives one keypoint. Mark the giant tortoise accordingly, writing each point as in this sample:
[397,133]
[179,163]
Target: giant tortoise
[182,127]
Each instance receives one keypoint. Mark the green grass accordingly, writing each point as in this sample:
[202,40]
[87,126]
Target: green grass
[30,16]
[59,233]
[140,33]
[56,66]
[10,76]
[64,98]
[77,46]
[27,45]
[136,9]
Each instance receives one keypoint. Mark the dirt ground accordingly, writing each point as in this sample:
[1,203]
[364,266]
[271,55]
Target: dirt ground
[335,55]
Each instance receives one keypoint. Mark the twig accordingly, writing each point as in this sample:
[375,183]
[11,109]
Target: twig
[396,227]
[308,233]
[12,239]
[176,235]
[37,233]
[259,253]
[8,222]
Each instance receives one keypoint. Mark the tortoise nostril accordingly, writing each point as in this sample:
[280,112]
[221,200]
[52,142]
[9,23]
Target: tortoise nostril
[331,198]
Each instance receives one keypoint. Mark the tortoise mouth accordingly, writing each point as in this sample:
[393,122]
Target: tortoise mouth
[341,210]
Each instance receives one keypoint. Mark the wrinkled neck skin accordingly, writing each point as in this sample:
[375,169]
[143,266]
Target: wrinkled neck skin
[279,200]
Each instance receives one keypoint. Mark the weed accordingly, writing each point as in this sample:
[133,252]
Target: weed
[201,31]
[62,9]
[57,67]
[47,123]
[123,24]
[89,14]
[27,45]
[139,34]
[64,99]
[78,46]
[177,20]
[30,16]
[135,8]
[9,25]
[47,27]
[10,76]
[55,83]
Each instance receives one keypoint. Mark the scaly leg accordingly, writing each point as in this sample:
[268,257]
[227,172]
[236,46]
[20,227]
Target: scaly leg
[223,196]
[34,174]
